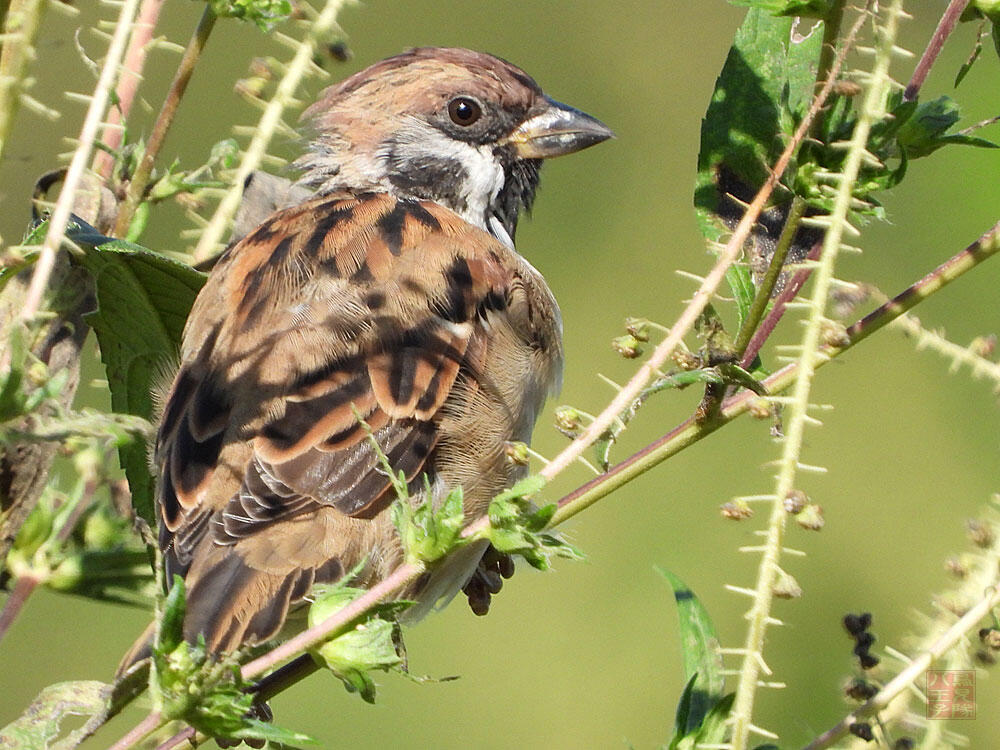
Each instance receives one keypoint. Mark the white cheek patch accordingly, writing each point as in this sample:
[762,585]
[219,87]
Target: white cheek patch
[479,177]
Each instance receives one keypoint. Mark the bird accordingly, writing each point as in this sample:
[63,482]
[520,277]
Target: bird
[390,300]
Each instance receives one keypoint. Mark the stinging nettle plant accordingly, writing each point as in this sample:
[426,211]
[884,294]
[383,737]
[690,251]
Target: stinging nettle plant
[805,133]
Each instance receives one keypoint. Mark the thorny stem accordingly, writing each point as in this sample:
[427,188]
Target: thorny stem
[759,616]
[74,175]
[691,431]
[128,85]
[140,180]
[909,675]
[774,270]
[944,28]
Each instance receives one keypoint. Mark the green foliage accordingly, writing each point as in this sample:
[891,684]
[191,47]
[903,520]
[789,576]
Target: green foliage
[702,708]
[761,94]
[516,526]
[27,384]
[266,14]
[100,559]
[369,643]
[143,300]
[429,533]
[188,684]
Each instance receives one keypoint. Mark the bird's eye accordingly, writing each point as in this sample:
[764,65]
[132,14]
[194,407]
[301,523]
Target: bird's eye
[464,111]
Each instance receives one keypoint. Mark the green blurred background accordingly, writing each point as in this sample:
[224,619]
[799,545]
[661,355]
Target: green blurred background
[588,656]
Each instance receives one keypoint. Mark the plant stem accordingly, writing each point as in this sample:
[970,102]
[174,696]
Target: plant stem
[139,732]
[765,329]
[18,596]
[88,134]
[828,55]
[774,270]
[944,28]
[140,180]
[690,431]
[759,616]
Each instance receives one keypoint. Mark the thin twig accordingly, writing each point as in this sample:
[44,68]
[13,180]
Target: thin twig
[92,123]
[140,180]
[944,28]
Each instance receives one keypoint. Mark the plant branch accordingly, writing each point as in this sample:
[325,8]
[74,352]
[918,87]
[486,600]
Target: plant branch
[944,28]
[92,122]
[140,180]
[140,731]
[765,329]
[691,431]
[909,675]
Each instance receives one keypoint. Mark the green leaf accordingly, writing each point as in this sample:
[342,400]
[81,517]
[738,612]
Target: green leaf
[428,533]
[39,727]
[189,684]
[977,50]
[515,526]
[701,655]
[761,94]
[926,130]
[143,300]
[740,281]
[369,644]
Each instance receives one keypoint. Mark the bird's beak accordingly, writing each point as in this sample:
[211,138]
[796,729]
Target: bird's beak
[558,129]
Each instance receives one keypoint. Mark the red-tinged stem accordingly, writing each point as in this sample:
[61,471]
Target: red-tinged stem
[944,28]
[128,84]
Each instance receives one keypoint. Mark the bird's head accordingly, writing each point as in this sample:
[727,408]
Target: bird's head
[462,128]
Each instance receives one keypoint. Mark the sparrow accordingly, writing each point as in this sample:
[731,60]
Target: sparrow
[392,295]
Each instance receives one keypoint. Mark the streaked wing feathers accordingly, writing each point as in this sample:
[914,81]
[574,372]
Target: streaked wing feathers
[345,308]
